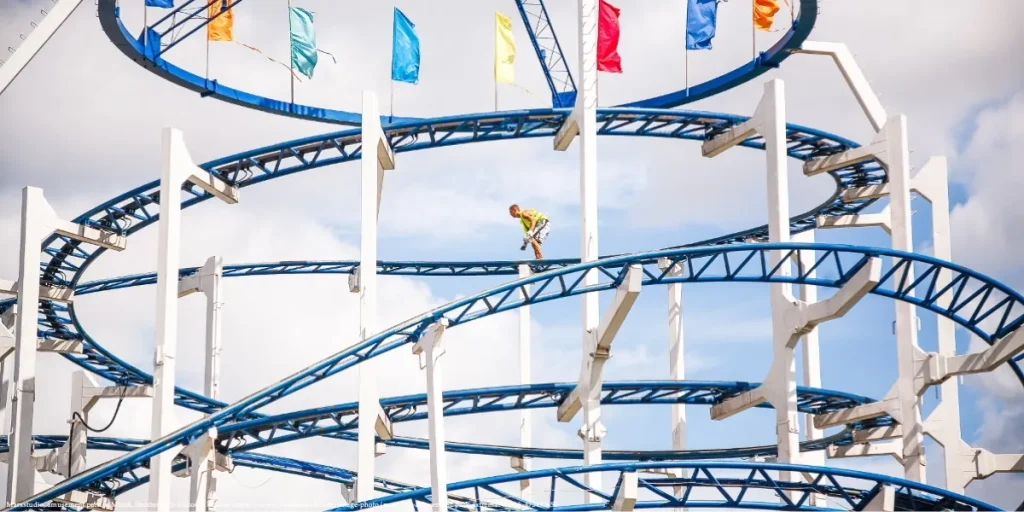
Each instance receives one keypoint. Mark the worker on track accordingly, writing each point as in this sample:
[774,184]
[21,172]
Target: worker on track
[535,224]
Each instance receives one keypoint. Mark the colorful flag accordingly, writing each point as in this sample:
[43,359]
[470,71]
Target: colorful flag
[764,13]
[163,4]
[701,18]
[608,39]
[303,36]
[220,28]
[504,50]
[405,50]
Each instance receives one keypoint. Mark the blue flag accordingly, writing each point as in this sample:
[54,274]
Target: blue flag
[701,17]
[405,50]
[300,23]
[163,4]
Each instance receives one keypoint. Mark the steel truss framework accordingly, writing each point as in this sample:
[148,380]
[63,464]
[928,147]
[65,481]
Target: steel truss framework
[983,306]
[732,484]
[190,17]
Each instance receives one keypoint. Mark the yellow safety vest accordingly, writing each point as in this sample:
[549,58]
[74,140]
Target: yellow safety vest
[537,218]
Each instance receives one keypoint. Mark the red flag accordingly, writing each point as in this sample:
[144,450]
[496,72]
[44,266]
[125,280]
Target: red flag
[608,38]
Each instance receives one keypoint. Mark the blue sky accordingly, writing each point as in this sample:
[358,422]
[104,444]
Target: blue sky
[957,75]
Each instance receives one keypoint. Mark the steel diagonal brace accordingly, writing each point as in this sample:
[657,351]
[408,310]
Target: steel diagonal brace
[625,295]
[854,78]
[801,319]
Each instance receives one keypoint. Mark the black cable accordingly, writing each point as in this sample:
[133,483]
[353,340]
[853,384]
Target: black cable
[78,417]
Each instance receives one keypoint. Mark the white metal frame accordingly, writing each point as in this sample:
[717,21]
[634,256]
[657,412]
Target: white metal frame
[36,40]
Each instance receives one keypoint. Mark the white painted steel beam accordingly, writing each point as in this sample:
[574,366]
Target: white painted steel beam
[898,151]
[676,359]
[866,97]
[811,359]
[625,296]
[875,150]
[592,431]
[888,405]
[732,136]
[42,345]
[35,41]
[430,348]
[376,157]
[938,368]
[884,501]
[862,220]
[38,219]
[868,192]
[877,434]
[626,495]
[51,293]
[177,168]
[892,449]
[525,427]
[567,132]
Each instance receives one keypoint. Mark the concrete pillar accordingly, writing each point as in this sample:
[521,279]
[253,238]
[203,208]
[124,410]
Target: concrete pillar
[898,153]
[524,379]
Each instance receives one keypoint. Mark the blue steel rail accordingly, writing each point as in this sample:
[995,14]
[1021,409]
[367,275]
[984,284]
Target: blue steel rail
[835,265]
[240,439]
[139,207]
[734,485]
[164,35]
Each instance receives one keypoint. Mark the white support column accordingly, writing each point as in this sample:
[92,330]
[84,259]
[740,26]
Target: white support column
[854,78]
[943,424]
[376,157]
[37,220]
[676,360]
[177,168]
[35,41]
[898,153]
[525,430]
[79,439]
[430,348]
[811,359]
[207,280]
[6,368]
[584,122]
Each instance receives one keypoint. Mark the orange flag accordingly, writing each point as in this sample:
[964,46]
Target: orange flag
[764,13]
[220,28]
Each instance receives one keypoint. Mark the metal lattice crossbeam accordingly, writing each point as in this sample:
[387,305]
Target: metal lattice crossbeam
[329,421]
[704,485]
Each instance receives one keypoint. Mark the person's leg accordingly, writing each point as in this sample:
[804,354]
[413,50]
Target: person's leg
[536,249]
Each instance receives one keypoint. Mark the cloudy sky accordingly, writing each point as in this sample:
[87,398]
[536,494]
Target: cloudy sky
[83,123]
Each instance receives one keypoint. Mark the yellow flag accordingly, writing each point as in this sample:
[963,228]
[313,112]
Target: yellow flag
[764,13]
[220,28]
[504,50]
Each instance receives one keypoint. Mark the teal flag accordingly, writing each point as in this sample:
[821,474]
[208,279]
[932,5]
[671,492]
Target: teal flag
[405,50]
[300,22]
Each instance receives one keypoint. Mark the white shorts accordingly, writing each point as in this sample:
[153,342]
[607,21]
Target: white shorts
[540,232]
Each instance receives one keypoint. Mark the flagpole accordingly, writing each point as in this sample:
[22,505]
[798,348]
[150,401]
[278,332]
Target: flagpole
[686,51]
[291,65]
[391,107]
[145,24]
[753,30]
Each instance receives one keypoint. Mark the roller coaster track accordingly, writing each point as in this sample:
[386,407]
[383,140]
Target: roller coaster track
[980,304]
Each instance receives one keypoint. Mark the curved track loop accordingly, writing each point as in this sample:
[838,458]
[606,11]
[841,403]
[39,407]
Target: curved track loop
[835,264]
[151,60]
[733,485]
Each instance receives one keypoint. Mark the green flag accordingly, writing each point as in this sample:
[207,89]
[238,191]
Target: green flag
[300,23]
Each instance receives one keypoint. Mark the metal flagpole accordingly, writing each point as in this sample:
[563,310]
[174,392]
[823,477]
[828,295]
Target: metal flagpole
[686,51]
[291,65]
[753,30]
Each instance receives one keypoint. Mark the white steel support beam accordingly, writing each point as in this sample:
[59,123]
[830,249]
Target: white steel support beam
[35,41]
[50,293]
[898,151]
[866,450]
[376,157]
[875,150]
[430,348]
[888,405]
[207,280]
[42,345]
[525,431]
[626,494]
[625,295]
[811,358]
[884,501]
[676,360]
[861,220]
[38,219]
[176,169]
[877,434]
[854,78]
[584,117]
